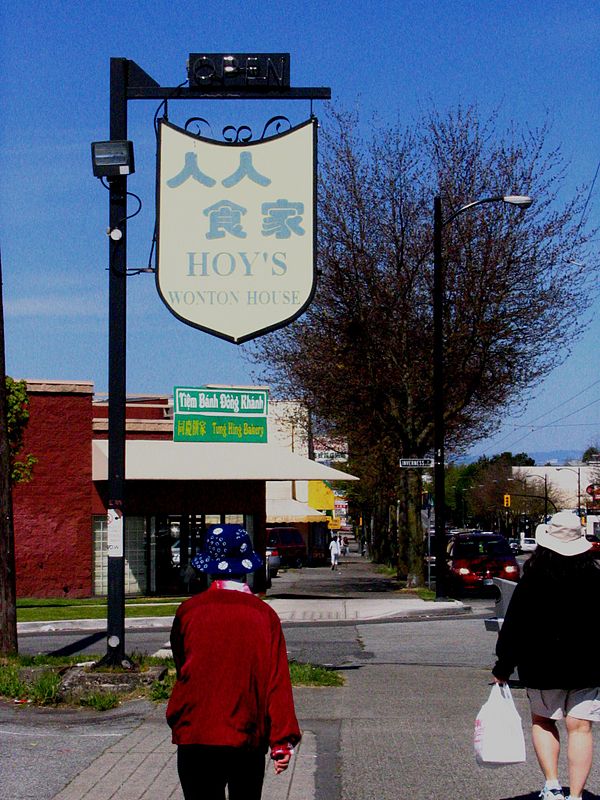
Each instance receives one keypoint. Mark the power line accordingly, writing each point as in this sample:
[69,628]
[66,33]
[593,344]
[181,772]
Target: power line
[566,416]
[564,402]
[588,197]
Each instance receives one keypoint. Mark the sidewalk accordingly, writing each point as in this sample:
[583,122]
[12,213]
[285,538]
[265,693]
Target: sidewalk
[356,592]
[394,732]
[349,733]
[142,766]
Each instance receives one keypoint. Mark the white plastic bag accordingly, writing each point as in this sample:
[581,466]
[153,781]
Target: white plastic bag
[499,736]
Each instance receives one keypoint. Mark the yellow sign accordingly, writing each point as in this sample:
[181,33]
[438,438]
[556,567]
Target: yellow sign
[334,524]
[320,496]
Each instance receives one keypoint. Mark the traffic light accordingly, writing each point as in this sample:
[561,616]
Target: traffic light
[506,501]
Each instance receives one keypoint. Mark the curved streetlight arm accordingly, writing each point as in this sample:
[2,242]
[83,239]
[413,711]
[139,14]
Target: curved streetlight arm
[519,200]
[578,471]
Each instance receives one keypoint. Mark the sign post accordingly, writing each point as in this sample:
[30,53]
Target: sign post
[216,76]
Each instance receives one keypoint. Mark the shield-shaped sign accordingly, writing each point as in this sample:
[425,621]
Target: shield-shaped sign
[236,230]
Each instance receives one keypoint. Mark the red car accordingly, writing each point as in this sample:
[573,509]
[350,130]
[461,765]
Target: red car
[474,559]
[288,544]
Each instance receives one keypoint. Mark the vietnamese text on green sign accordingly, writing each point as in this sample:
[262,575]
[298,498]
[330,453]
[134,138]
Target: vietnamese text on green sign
[220,401]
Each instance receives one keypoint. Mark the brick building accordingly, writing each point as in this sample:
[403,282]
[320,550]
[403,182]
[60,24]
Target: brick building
[173,491]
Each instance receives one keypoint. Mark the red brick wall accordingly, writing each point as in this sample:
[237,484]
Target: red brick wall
[52,513]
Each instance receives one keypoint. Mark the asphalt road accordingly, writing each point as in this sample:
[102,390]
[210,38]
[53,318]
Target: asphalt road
[330,643]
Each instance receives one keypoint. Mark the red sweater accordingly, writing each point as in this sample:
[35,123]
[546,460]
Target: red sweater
[233,686]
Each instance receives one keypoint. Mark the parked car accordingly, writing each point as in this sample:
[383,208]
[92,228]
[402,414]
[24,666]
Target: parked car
[595,543]
[474,559]
[528,544]
[274,561]
[289,544]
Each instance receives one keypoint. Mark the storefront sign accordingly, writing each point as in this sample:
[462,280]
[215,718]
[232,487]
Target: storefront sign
[219,415]
[236,230]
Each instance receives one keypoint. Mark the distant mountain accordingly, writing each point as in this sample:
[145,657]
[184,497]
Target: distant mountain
[541,456]
[560,456]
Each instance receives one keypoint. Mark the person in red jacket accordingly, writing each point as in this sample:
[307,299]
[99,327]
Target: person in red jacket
[233,696]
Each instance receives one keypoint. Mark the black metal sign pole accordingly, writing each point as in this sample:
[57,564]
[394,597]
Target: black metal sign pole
[115,629]
[129,82]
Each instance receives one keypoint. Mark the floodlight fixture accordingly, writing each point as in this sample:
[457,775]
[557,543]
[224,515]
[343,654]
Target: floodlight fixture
[112,159]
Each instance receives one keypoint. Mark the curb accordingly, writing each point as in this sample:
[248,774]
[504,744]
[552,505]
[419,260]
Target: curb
[294,612]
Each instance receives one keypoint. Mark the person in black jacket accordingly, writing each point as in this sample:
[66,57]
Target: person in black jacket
[546,635]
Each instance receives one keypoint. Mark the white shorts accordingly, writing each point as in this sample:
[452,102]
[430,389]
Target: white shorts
[558,703]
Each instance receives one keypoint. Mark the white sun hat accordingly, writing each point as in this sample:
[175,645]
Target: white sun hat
[563,534]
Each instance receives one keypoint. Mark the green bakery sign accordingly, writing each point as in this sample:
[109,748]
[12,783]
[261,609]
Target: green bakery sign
[219,415]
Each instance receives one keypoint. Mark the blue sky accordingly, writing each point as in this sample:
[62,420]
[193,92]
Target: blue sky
[528,60]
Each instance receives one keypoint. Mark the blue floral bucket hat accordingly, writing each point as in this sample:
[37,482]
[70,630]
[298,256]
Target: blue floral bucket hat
[228,551]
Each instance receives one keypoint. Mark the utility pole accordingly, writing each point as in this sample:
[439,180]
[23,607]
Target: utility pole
[8,611]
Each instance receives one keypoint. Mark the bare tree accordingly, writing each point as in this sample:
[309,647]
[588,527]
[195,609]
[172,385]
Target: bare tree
[8,614]
[361,357]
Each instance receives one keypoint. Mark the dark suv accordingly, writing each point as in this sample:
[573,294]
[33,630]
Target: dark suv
[289,544]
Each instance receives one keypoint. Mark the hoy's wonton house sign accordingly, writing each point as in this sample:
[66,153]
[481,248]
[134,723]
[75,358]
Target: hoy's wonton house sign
[236,230]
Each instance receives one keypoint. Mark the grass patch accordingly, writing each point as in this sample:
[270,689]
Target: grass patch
[100,701]
[43,687]
[54,611]
[63,602]
[419,591]
[313,675]
[384,569]
[11,685]
[45,691]
[161,690]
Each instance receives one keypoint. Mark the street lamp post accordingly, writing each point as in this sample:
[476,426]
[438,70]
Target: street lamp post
[439,428]
[545,479]
[578,471]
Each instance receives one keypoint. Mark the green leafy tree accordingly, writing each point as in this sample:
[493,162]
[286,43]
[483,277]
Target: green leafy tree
[17,410]
[361,356]
[14,468]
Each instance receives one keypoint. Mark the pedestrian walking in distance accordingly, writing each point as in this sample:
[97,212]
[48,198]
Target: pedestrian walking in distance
[547,634]
[334,549]
[232,700]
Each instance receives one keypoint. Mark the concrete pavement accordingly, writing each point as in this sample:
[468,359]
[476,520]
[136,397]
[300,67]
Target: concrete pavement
[391,732]
[394,732]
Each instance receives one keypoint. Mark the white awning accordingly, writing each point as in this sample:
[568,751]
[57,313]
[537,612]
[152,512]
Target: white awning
[154,460]
[288,510]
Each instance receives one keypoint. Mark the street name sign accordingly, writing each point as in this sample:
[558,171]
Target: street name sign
[219,415]
[416,463]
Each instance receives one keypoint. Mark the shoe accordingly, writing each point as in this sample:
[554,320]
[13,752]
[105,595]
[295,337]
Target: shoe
[551,794]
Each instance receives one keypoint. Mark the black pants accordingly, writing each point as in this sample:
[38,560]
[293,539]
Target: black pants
[205,771]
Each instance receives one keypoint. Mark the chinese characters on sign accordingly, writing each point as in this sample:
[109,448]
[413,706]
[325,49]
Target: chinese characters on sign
[236,233]
[219,415]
